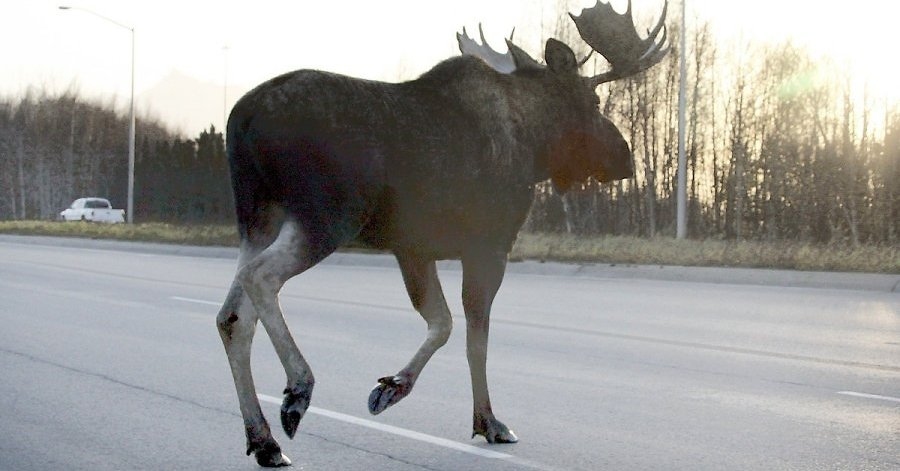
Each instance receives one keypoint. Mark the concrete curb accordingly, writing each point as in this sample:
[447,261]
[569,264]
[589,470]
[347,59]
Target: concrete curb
[888,283]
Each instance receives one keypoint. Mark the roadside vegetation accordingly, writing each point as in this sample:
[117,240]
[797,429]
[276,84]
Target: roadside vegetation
[164,233]
[708,252]
[546,247]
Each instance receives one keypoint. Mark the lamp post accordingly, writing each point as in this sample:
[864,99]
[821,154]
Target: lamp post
[225,91]
[681,193]
[129,212]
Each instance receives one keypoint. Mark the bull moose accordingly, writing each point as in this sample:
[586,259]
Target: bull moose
[440,167]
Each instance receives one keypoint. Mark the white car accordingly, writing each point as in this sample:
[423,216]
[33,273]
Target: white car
[93,210]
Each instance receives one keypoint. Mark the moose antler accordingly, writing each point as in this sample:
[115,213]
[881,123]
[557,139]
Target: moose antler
[503,63]
[500,62]
[614,36]
[611,34]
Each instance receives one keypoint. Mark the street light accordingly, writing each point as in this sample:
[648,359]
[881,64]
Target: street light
[681,189]
[129,212]
[225,91]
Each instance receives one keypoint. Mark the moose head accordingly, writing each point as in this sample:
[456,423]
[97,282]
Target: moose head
[592,145]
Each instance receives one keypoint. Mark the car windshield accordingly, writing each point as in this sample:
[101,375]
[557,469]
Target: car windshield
[96,204]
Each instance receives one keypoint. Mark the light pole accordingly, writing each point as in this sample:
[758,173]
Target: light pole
[129,212]
[225,91]
[681,191]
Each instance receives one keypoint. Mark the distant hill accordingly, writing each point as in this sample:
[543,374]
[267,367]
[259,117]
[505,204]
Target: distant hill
[186,104]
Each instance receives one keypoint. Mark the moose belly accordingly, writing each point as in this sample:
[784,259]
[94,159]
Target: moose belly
[446,228]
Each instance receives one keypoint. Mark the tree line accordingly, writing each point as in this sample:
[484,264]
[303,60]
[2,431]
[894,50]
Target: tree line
[779,147]
[56,148]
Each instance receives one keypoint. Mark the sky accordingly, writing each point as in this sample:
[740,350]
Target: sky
[242,43]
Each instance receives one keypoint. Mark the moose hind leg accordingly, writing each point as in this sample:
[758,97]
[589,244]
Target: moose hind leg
[420,277]
[262,278]
[482,275]
[236,323]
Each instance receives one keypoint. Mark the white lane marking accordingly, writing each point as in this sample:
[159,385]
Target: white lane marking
[870,396]
[422,437]
[195,301]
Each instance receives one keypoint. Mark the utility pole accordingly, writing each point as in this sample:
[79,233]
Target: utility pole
[129,211]
[225,91]
[681,188]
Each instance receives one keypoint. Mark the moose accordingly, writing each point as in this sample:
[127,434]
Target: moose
[440,167]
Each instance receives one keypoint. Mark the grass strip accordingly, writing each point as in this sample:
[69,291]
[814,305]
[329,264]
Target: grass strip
[548,247]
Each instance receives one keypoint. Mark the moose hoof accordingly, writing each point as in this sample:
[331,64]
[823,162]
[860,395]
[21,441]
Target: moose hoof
[388,392]
[277,460]
[296,401]
[270,456]
[493,430]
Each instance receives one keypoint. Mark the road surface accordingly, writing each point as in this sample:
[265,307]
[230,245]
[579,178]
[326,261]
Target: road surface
[110,359]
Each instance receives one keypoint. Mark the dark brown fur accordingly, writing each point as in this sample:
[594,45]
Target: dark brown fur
[439,167]
[437,164]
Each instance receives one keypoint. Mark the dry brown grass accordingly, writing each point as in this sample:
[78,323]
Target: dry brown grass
[146,232]
[666,251]
[557,247]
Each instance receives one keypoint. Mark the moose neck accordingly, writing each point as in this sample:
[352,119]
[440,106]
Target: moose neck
[527,115]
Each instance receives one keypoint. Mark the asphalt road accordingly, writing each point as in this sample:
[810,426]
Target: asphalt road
[109,359]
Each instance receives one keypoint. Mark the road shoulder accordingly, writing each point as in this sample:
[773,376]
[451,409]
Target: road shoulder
[746,276]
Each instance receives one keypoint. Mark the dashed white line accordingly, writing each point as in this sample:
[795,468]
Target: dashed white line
[195,301]
[870,396]
[422,437]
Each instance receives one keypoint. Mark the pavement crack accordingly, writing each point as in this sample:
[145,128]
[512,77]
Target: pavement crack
[173,397]
[370,452]
[110,379]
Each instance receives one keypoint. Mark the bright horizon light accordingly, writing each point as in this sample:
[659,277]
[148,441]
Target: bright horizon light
[53,50]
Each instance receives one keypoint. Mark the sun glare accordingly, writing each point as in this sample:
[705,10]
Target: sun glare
[861,39]
[853,39]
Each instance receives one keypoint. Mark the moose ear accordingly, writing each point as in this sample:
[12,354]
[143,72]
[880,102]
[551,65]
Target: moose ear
[560,57]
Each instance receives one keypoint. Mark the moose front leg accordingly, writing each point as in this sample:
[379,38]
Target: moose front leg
[424,288]
[482,275]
